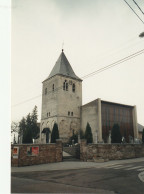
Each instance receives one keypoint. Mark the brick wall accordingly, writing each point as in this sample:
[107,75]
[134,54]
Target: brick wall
[96,152]
[47,153]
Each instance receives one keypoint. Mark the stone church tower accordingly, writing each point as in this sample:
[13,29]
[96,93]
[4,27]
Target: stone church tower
[61,101]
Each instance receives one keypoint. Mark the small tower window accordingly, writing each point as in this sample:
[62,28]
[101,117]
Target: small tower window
[53,87]
[68,113]
[45,91]
[73,87]
[71,113]
[65,85]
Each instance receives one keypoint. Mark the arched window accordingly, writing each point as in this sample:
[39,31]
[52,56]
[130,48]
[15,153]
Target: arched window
[45,91]
[53,87]
[65,85]
[71,113]
[73,87]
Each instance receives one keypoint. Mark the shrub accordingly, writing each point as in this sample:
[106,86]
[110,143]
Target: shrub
[54,134]
[88,134]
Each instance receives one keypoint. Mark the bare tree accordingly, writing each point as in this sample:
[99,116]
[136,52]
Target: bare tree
[14,127]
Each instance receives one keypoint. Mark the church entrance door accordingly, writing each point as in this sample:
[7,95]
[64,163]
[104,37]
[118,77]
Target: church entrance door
[47,136]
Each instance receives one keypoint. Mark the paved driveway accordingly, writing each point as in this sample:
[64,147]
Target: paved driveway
[80,177]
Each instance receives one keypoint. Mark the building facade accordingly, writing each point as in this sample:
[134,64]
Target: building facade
[62,104]
[102,115]
[61,101]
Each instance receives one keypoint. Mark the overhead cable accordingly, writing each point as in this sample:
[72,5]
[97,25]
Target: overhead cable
[138,6]
[134,11]
[114,64]
[91,74]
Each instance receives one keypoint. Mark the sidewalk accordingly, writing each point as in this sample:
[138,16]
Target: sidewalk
[72,165]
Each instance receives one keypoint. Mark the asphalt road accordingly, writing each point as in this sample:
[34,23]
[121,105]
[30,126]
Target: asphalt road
[112,178]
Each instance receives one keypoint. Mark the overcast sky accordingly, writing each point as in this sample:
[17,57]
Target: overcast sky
[96,33]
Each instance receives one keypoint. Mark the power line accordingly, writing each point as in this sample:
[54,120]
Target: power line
[37,96]
[134,11]
[138,6]
[27,100]
[114,64]
[122,49]
[91,74]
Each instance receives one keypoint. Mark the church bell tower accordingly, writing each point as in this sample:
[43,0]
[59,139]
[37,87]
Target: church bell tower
[61,101]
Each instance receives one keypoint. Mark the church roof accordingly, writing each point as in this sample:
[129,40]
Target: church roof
[63,67]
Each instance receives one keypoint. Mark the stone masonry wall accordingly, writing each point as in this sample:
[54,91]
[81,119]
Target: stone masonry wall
[61,106]
[47,153]
[105,152]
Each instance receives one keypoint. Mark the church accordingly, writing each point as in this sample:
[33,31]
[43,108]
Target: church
[62,104]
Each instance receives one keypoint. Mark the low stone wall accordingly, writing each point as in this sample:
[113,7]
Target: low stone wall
[32,154]
[74,151]
[105,152]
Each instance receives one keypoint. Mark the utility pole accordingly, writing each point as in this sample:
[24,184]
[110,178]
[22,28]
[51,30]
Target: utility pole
[141,35]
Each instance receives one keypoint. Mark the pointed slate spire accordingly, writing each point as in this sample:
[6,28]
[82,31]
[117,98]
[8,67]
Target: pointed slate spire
[63,67]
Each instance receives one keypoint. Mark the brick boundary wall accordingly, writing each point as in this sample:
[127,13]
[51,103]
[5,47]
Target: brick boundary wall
[48,153]
[74,151]
[105,152]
